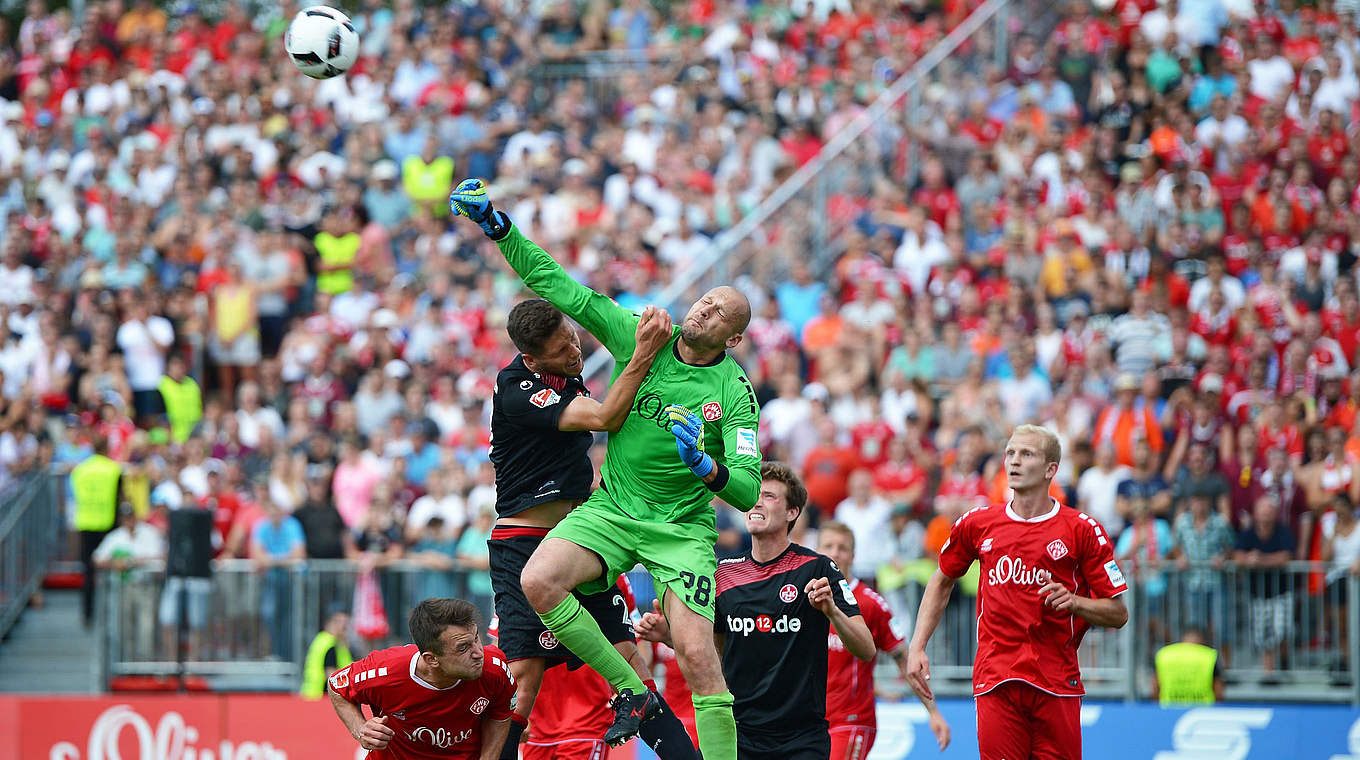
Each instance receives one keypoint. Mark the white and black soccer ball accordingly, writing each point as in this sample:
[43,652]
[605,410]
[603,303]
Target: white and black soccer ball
[321,42]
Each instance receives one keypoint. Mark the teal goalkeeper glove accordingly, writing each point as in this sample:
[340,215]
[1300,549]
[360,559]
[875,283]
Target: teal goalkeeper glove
[470,199]
[688,430]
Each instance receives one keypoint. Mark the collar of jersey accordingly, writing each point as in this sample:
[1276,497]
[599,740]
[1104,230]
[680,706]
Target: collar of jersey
[751,556]
[423,682]
[675,349]
[1050,514]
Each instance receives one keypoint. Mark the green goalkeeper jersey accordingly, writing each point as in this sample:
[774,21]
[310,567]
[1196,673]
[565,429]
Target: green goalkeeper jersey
[643,474]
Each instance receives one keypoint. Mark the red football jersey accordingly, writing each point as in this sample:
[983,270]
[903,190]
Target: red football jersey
[430,723]
[850,680]
[1019,636]
[572,705]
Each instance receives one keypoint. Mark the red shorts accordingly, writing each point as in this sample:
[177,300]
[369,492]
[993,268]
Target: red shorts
[571,749]
[852,742]
[1019,722]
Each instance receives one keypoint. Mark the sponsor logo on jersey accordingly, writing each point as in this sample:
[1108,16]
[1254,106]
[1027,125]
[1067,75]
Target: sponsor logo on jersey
[439,737]
[1057,549]
[545,398]
[746,443]
[986,545]
[846,592]
[340,679]
[479,706]
[788,593]
[1010,569]
[1115,574]
[712,411]
[763,624]
[525,385]
[547,640]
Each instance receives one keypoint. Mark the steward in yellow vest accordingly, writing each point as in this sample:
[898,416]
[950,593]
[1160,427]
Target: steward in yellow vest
[183,399]
[1187,673]
[95,484]
[337,246]
[326,655]
[428,178]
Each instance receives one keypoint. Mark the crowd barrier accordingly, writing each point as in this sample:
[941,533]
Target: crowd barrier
[30,519]
[256,624]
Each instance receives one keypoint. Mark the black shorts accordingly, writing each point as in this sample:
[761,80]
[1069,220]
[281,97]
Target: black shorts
[805,745]
[522,633]
[147,403]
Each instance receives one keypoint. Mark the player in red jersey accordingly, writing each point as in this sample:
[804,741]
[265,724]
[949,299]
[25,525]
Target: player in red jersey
[446,696]
[1048,573]
[570,711]
[849,680]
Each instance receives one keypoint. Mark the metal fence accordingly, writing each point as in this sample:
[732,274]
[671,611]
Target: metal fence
[1283,634]
[248,627]
[30,524]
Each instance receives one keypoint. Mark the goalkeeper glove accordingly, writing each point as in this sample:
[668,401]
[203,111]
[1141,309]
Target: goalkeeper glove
[688,430]
[470,199]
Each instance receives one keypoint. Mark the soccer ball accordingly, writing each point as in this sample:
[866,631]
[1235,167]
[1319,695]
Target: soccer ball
[321,42]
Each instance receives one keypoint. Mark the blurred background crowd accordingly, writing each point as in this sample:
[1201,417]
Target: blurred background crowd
[1140,230]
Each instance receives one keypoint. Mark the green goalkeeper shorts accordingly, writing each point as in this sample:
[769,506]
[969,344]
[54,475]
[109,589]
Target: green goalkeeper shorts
[679,556]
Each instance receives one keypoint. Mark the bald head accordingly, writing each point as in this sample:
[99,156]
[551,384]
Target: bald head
[741,306]
[716,321]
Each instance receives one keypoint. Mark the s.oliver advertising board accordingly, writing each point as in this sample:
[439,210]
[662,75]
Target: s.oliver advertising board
[190,727]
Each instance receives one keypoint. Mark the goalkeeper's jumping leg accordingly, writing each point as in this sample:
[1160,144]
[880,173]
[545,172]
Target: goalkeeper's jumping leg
[556,568]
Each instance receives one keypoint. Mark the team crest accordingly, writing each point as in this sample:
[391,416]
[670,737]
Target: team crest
[1057,549]
[712,411]
[340,679]
[480,705]
[788,593]
[545,398]
[547,640]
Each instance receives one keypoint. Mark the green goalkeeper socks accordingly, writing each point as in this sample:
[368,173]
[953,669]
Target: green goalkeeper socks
[717,727]
[576,629]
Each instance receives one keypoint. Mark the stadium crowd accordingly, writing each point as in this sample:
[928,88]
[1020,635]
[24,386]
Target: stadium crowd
[1141,232]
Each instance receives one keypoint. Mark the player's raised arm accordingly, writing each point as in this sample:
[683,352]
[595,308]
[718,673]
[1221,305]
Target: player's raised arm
[610,323]
[585,413]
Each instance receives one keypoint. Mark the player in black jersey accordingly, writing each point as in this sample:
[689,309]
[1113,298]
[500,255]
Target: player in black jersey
[775,607]
[542,416]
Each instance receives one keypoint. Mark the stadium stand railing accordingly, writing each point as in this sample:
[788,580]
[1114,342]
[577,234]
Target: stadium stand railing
[259,621]
[802,218]
[1293,613]
[30,529]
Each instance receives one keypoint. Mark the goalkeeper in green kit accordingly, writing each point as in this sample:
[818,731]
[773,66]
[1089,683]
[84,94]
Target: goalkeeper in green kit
[690,435]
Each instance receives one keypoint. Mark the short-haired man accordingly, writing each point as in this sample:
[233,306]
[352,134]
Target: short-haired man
[445,696]
[1049,574]
[542,417]
[850,680]
[776,607]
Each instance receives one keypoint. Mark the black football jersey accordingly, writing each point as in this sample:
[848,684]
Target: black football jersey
[774,656]
[535,462]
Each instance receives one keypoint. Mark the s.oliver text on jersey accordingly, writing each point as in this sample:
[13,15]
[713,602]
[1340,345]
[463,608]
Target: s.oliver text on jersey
[1010,569]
